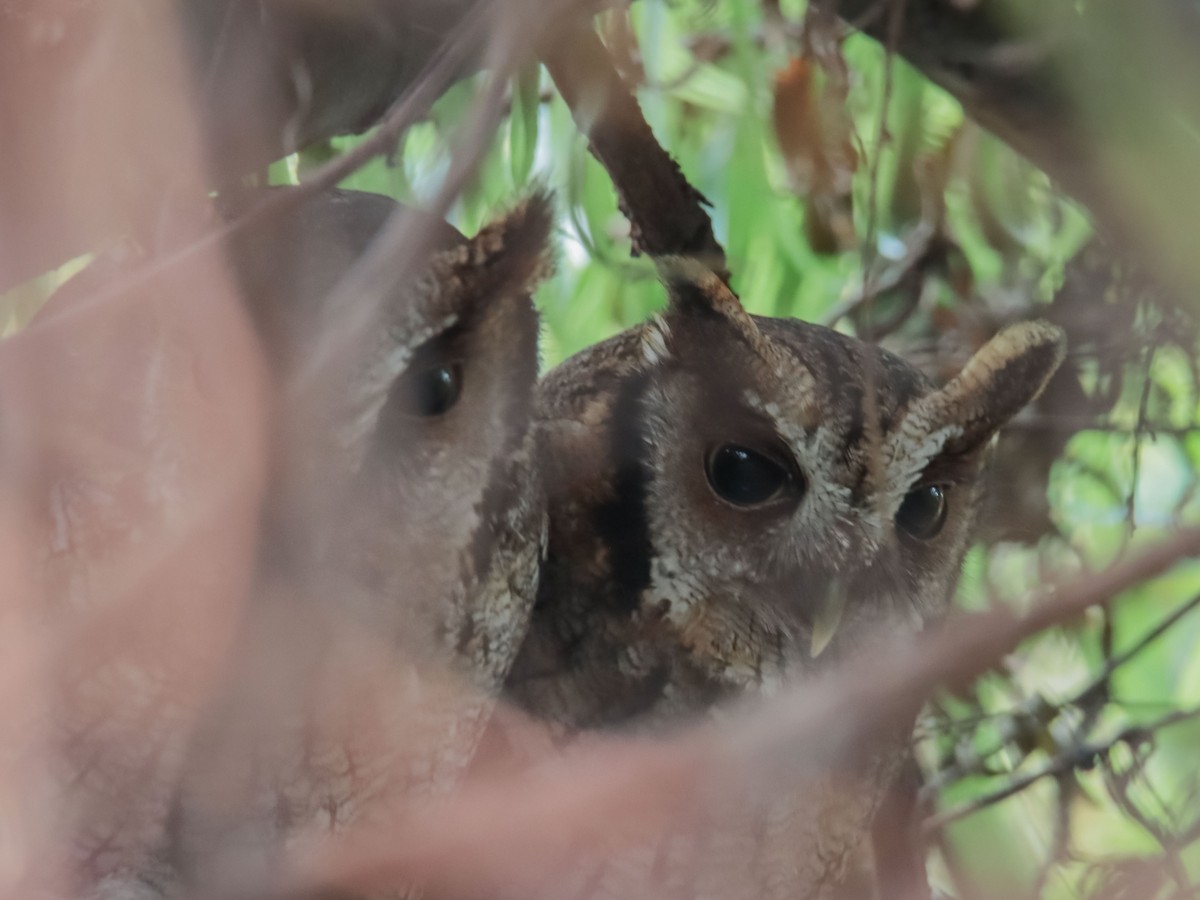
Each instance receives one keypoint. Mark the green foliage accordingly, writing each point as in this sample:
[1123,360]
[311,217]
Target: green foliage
[709,76]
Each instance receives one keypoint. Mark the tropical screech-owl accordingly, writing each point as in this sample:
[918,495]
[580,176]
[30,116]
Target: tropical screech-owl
[400,537]
[736,501]
[404,464]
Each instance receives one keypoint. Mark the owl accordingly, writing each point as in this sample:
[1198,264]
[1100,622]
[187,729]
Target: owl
[398,539]
[737,502]
[403,456]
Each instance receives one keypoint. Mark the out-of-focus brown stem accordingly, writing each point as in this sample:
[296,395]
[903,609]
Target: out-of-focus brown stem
[666,213]
[1100,96]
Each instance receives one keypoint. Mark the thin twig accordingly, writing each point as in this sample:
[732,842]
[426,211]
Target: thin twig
[1138,431]
[1074,758]
[1082,699]
[1114,663]
[1061,422]
[909,267]
[895,20]
[1117,785]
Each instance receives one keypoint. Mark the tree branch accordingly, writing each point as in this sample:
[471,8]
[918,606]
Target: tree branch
[665,211]
[1101,96]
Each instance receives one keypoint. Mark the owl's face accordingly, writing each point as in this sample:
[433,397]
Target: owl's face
[778,513]
[734,500]
[400,455]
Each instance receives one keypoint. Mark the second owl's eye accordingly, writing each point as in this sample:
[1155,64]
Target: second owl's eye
[432,391]
[744,477]
[923,512]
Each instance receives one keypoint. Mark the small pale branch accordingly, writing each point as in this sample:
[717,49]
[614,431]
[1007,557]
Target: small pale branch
[666,212]
[906,275]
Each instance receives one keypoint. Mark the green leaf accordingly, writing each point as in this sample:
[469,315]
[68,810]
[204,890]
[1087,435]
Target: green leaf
[523,122]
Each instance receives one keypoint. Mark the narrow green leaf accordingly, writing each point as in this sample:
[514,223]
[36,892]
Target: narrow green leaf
[523,122]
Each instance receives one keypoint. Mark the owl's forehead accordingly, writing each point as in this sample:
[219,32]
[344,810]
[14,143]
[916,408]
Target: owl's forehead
[832,382]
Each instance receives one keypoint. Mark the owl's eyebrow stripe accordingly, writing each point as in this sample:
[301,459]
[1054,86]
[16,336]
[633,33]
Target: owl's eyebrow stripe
[949,468]
[453,341]
[734,420]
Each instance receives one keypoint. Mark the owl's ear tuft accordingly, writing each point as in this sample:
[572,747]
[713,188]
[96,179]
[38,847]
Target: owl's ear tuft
[514,252]
[698,296]
[695,290]
[525,232]
[1004,375]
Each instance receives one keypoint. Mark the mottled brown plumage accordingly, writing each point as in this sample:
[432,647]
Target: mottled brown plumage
[736,502]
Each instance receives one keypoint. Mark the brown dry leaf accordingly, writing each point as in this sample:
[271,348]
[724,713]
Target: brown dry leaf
[815,136]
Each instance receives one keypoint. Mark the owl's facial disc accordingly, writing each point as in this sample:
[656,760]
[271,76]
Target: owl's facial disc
[757,476]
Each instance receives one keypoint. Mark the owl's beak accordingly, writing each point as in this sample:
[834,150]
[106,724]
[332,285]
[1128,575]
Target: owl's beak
[828,617]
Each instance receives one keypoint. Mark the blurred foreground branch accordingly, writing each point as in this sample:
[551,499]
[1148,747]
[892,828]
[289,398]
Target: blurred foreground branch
[633,788]
[269,77]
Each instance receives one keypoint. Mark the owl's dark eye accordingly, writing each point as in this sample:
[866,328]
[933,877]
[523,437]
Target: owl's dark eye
[432,391]
[923,512]
[744,477]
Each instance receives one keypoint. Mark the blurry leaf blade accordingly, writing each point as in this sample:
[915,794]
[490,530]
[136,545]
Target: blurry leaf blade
[523,122]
